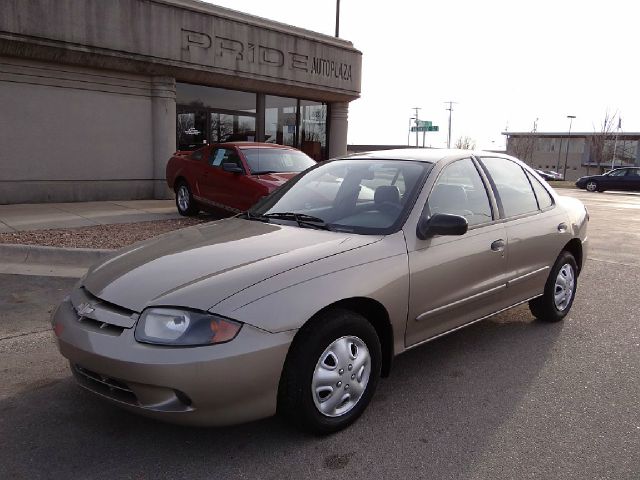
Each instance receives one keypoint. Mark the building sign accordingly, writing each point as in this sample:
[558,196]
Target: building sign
[245,53]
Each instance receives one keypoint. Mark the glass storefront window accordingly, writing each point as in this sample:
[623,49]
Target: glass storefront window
[313,129]
[191,130]
[213,115]
[281,120]
[215,98]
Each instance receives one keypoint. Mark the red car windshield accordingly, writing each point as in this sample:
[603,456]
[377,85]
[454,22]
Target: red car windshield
[276,160]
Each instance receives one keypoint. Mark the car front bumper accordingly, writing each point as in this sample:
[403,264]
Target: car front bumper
[214,385]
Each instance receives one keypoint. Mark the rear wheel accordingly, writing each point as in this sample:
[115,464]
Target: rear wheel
[559,291]
[331,372]
[184,200]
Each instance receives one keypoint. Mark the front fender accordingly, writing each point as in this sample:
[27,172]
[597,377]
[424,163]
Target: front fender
[379,271]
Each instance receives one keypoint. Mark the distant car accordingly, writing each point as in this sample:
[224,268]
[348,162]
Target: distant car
[627,178]
[231,176]
[299,305]
[554,174]
[549,175]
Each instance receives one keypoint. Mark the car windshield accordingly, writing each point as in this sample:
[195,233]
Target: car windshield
[276,160]
[360,196]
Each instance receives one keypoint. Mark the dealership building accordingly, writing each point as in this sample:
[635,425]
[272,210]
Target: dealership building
[96,95]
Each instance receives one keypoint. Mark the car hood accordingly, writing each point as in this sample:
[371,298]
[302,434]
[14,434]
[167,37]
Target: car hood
[200,266]
[274,180]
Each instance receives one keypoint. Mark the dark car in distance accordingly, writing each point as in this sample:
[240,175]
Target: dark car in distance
[231,176]
[627,178]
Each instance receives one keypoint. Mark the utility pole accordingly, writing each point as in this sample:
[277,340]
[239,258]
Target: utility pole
[449,134]
[416,109]
[337,18]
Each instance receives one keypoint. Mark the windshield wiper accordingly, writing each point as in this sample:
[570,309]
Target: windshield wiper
[250,216]
[302,219]
[265,172]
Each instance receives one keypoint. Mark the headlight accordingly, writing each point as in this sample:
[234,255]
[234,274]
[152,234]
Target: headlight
[170,326]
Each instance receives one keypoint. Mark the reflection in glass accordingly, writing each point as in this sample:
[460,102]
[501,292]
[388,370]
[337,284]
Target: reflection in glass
[313,129]
[191,130]
[280,120]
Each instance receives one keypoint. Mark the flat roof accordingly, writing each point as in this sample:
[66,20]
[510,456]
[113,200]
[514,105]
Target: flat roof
[566,134]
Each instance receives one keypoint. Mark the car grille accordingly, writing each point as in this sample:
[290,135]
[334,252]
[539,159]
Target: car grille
[99,315]
[104,385]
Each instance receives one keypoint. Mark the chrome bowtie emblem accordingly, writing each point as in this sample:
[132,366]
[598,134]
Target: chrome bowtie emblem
[84,309]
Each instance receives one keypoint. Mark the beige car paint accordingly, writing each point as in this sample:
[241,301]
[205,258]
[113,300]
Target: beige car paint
[274,278]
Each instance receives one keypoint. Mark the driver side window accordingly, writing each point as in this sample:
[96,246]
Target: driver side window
[459,190]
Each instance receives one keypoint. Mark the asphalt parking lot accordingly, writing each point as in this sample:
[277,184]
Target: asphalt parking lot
[508,398]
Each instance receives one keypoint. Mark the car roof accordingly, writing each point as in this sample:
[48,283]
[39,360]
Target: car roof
[243,145]
[428,155]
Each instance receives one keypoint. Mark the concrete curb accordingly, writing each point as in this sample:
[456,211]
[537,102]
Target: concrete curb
[56,256]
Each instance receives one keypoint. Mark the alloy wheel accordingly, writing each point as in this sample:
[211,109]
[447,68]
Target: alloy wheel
[183,198]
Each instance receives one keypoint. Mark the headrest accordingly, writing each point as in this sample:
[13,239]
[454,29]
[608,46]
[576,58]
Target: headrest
[451,197]
[387,194]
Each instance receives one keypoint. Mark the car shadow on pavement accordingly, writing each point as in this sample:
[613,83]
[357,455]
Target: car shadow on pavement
[440,409]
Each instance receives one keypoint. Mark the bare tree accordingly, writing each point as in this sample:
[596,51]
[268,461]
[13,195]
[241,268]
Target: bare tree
[522,147]
[601,148]
[465,143]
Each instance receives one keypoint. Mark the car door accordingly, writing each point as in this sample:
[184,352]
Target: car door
[632,179]
[455,280]
[226,189]
[537,229]
[615,180]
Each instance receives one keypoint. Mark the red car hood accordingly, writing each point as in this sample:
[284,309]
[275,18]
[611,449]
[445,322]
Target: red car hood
[274,180]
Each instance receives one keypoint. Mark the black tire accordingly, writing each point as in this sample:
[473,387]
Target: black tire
[296,401]
[592,186]
[544,308]
[185,203]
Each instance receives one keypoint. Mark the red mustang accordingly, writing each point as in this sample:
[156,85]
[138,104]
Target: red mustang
[231,176]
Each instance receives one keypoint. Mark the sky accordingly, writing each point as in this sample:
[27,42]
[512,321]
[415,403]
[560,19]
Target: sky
[505,63]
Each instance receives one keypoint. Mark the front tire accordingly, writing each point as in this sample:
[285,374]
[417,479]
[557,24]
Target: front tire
[331,372]
[559,291]
[185,203]
[592,186]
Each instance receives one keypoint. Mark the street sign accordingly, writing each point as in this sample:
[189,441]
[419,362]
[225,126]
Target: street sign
[424,123]
[426,128]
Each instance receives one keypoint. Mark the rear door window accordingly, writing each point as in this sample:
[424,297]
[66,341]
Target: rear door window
[545,200]
[512,186]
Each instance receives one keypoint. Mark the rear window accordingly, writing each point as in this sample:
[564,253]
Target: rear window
[276,160]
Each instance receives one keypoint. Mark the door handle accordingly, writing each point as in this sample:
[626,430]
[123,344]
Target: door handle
[562,227]
[498,245]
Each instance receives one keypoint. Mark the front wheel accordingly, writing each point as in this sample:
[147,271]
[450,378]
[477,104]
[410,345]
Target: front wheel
[559,291]
[331,372]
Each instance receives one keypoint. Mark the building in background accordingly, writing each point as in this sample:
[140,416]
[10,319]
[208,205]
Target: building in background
[588,153]
[96,95]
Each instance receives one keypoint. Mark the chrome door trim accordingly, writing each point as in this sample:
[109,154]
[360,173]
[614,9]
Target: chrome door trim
[423,315]
[527,275]
[469,323]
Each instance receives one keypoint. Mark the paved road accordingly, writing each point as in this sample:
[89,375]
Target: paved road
[508,398]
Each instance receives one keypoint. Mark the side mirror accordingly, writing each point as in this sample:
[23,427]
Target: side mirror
[441,224]
[232,168]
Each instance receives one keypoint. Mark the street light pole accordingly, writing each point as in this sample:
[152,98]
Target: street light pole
[409,132]
[564,172]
